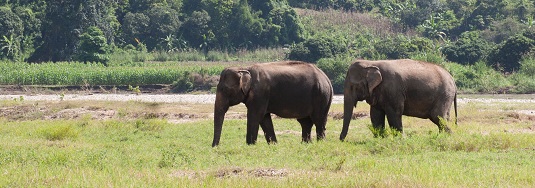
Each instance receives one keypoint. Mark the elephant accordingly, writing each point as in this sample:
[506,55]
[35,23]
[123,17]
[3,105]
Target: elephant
[394,88]
[289,89]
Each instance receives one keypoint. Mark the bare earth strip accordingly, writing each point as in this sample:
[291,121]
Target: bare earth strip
[202,98]
[160,98]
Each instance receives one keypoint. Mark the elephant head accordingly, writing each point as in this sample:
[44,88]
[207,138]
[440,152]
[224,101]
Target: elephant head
[233,88]
[361,80]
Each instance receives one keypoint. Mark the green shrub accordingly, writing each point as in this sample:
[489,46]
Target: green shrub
[93,46]
[478,78]
[508,55]
[400,47]
[468,49]
[189,81]
[335,69]
[435,58]
[315,48]
[524,80]
[58,132]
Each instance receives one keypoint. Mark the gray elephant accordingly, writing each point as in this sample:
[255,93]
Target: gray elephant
[288,89]
[394,88]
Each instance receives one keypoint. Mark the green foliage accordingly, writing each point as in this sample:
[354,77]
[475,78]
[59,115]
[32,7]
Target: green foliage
[184,83]
[93,47]
[346,5]
[58,132]
[63,23]
[199,81]
[315,48]
[400,47]
[468,49]
[508,54]
[478,78]
[524,81]
[64,73]
[11,31]
[335,69]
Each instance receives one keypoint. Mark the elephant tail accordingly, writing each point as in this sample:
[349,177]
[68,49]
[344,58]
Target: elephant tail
[455,108]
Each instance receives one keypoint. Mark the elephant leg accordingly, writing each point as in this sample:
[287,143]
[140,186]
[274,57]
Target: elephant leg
[441,112]
[394,120]
[267,127]
[320,123]
[253,121]
[306,125]
[442,127]
[378,121]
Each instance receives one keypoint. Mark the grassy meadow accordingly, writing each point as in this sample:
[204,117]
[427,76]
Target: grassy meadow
[136,144]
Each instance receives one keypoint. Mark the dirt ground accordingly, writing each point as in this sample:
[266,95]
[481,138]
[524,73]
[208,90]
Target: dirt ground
[155,101]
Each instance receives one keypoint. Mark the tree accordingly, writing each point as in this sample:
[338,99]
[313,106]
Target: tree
[313,49]
[93,46]
[135,27]
[508,55]
[11,30]
[468,49]
[196,26]
[65,21]
[164,21]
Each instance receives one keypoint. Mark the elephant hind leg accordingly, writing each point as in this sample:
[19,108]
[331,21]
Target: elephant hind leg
[320,123]
[306,125]
[440,116]
[442,124]
[267,127]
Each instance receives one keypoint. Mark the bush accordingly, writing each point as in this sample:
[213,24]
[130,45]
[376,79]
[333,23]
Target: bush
[508,55]
[400,47]
[468,49]
[313,49]
[188,82]
[524,80]
[335,69]
[478,78]
[58,132]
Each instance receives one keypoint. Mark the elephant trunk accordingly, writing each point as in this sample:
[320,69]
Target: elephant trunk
[349,104]
[220,108]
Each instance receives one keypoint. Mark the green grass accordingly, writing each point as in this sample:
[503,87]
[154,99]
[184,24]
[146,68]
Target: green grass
[65,73]
[489,148]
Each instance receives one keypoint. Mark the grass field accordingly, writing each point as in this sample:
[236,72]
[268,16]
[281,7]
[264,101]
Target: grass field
[135,144]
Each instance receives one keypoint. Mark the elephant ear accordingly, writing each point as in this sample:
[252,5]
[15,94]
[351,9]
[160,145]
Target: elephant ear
[245,81]
[374,78]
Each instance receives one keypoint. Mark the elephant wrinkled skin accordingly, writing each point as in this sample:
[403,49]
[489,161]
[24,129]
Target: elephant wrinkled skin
[399,87]
[288,89]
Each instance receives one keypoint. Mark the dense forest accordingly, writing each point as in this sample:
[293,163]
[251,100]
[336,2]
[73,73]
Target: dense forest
[495,33]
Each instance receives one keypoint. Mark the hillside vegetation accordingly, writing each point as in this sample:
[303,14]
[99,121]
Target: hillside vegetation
[493,38]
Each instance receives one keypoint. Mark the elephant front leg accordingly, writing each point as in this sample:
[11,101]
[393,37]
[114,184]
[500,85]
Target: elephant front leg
[394,120]
[306,125]
[253,121]
[378,122]
[267,127]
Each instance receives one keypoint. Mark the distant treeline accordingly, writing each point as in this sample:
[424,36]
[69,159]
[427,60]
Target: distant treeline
[86,30]
[499,33]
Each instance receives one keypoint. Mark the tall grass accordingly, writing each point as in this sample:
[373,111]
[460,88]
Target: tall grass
[73,73]
[125,57]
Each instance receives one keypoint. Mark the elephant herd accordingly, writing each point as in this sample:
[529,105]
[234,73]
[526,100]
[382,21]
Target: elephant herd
[300,90]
